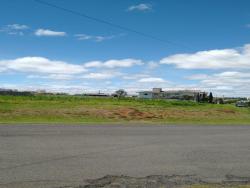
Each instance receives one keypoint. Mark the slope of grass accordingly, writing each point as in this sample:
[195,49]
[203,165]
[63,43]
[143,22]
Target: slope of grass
[78,109]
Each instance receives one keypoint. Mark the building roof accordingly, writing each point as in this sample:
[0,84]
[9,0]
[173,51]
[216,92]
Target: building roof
[173,91]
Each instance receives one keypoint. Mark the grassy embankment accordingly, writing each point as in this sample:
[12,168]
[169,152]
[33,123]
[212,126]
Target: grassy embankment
[74,109]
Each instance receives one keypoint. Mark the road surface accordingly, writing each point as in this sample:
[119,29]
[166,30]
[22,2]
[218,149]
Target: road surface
[63,155]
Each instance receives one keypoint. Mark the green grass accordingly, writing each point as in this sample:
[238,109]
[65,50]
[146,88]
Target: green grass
[78,109]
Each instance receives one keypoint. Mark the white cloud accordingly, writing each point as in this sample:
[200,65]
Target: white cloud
[17,26]
[228,83]
[152,80]
[14,29]
[228,78]
[83,36]
[140,7]
[123,63]
[214,59]
[232,74]
[152,65]
[99,76]
[135,76]
[102,38]
[49,33]
[52,76]
[40,65]
[96,38]
[59,70]
[197,77]
[232,80]
[95,64]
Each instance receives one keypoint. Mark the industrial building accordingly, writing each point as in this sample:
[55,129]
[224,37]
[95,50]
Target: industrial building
[158,93]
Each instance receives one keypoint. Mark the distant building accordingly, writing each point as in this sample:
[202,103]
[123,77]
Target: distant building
[40,91]
[96,95]
[154,94]
[242,103]
[158,93]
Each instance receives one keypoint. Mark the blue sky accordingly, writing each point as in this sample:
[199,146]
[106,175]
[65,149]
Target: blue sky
[45,48]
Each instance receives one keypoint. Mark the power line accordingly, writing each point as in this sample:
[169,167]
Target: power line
[108,23]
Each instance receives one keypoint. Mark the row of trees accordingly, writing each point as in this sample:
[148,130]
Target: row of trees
[204,98]
[15,93]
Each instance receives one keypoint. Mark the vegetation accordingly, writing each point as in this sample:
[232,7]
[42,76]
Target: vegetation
[120,93]
[80,109]
[210,97]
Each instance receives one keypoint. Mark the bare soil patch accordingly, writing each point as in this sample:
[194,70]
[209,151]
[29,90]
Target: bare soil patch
[122,113]
[161,181]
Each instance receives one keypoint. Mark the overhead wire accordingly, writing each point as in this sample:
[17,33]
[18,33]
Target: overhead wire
[111,24]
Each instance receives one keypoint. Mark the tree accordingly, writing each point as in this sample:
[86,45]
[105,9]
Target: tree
[210,97]
[120,93]
[204,97]
[197,97]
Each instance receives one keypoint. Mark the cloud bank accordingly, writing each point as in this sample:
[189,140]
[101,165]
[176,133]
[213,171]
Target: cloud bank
[123,63]
[40,65]
[214,59]
[225,72]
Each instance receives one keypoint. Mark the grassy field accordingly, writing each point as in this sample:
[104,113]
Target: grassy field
[77,109]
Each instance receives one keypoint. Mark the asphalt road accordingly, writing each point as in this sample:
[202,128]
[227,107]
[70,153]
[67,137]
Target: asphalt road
[57,155]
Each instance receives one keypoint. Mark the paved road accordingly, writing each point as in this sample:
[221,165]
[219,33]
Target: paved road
[53,156]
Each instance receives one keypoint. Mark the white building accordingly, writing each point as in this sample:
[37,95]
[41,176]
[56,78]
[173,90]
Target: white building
[158,93]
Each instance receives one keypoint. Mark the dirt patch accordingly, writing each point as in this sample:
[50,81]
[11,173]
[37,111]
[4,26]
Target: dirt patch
[227,111]
[154,181]
[161,181]
[122,113]
[118,113]
[132,113]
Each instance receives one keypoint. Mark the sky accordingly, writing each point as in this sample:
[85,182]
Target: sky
[189,44]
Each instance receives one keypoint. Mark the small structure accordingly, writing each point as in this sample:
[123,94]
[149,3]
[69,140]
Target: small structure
[243,103]
[99,94]
[158,93]
[219,100]
[96,95]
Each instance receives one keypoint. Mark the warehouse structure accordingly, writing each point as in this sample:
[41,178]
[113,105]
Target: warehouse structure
[158,93]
